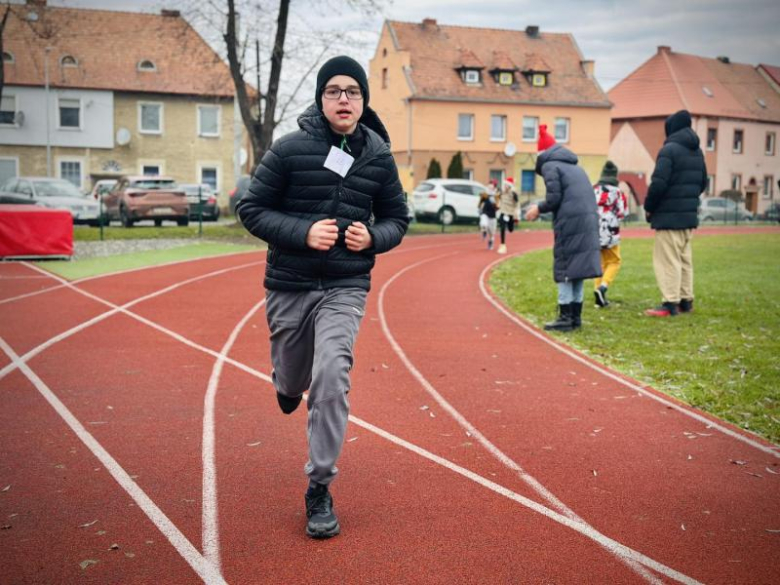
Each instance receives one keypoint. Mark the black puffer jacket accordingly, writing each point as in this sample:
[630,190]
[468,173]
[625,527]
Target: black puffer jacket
[575,215]
[291,190]
[679,178]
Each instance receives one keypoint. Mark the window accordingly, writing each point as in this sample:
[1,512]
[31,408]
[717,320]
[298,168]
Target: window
[769,181]
[8,110]
[472,76]
[506,78]
[561,130]
[710,185]
[150,118]
[530,128]
[465,127]
[769,144]
[150,170]
[539,80]
[209,176]
[208,120]
[736,182]
[24,187]
[497,175]
[146,65]
[712,138]
[9,168]
[69,61]
[70,170]
[737,146]
[528,183]
[8,57]
[70,113]
[468,174]
[384,77]
[498,128]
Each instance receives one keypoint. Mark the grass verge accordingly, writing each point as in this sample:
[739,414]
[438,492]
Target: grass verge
[72,270]
[723,358]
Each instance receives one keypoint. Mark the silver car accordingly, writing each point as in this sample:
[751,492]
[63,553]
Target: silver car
[57,194]
[722,209]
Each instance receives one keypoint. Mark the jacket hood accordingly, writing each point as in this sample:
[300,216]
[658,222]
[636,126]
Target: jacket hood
[677,121]
[556,153]
[314,122]
[685,137]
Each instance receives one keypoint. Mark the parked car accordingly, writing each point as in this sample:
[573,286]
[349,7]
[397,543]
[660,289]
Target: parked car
[205,194]
[772,213]
[136,198]
[722,209]
[542,216]
[238,192]
[8,198]
[447,200]
[102,187]
[57,194]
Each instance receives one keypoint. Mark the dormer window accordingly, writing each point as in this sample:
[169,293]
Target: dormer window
[506,78]
[8,57]
[471,76]
[146,65]
[536,70]
[539,80]
[69,61]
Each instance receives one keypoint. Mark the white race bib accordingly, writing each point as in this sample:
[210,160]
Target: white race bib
[338,161]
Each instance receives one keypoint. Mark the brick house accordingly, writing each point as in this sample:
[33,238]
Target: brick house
[736,114]
[129,93]
[484,92]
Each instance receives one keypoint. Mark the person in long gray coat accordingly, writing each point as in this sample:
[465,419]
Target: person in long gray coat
[576,251]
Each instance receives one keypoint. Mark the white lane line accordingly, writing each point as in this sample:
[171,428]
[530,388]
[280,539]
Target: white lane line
[205,570]
[590,533]
[210,504]
[471,429]
[116,309]
[711,424]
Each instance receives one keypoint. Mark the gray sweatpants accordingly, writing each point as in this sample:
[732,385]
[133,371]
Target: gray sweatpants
[312,336]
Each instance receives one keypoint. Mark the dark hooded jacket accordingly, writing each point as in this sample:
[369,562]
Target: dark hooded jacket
[679,177]
[291,190]
[575,217]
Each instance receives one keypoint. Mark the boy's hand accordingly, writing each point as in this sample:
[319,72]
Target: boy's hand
[532,213]
[357,237]
[322,235]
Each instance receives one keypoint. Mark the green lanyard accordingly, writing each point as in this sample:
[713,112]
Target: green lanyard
[344,143]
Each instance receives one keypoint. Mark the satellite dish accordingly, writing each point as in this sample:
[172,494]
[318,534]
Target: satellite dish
[243,157]
[123,136]
[510,149]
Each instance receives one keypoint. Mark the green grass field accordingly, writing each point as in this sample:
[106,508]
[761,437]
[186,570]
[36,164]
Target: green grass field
[724,358]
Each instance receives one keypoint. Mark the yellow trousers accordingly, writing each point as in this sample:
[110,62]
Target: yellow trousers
[610,266]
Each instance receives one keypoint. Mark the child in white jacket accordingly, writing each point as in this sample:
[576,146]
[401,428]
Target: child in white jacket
[612,206]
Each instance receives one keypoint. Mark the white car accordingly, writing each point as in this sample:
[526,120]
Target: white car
[448,200]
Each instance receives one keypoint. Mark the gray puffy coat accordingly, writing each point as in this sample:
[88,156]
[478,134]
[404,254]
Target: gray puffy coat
[291,190]
[575,216]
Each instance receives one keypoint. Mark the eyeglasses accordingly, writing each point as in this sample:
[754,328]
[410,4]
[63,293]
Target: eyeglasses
[334,93]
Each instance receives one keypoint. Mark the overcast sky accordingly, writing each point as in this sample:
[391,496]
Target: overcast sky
[618,35]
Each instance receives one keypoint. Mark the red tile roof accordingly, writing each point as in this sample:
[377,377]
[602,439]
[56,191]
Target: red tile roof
[535,63]
[108,47]
[503,61]
[435,54]
[671,81]
[772,71]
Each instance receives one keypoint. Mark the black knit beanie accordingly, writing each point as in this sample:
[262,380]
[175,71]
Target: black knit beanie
[609,174]
[341,65]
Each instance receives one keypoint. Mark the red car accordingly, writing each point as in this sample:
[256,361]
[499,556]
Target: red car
[136,198]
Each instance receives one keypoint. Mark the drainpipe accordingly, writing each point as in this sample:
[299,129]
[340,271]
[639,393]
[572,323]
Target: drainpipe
[47,50]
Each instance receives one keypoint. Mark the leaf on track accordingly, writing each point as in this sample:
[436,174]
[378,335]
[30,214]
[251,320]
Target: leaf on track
[255,444]
[353,439]
[86,563]
[738,462]
[6,488]
[88,524]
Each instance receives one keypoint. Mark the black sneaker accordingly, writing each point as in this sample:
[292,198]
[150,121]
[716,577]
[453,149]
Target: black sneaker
[601,296]
[685,306]
[287,404]
[319,510]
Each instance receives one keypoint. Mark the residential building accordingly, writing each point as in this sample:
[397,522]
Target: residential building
[95,94]
[485,92]
[736,113]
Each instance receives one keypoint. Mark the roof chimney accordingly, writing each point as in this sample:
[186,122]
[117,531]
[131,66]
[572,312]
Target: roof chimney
[664,49]
[724,59]
[429,23]
[589,67]
[532,31]
[173,13]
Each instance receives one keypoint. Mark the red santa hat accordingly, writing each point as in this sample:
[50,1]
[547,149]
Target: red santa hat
[545,140]
[509,182]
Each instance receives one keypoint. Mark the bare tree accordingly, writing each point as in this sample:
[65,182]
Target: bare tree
[2,51]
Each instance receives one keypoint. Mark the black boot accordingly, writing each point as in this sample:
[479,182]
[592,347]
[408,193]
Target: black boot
[322,521]
[576,315]
[564,321]
[685,306]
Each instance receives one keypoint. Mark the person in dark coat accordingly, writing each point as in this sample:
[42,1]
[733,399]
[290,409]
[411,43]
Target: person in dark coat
[576,250]
[671,206]
[327,199]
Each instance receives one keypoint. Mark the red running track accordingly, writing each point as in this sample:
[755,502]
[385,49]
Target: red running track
[140,442]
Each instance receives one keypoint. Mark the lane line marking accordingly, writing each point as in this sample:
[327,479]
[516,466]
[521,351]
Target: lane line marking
[210,535]
[471,430]
[205,570]
[711,424]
